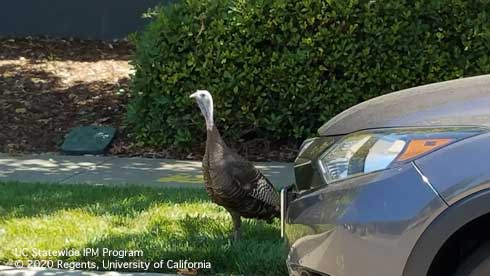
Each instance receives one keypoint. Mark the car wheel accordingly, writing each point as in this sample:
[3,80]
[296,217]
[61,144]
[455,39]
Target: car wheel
[477,263]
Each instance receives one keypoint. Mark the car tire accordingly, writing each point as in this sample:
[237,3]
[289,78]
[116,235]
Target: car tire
[477,263]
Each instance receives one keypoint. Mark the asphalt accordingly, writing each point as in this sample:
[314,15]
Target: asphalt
[105,170]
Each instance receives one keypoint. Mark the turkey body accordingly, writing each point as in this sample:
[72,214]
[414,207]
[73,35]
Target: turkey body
[234,183]
[231,181]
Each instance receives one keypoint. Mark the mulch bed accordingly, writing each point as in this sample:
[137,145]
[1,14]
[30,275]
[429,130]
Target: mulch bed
[48,86]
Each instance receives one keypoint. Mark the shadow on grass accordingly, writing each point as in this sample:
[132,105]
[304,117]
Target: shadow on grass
[28,200]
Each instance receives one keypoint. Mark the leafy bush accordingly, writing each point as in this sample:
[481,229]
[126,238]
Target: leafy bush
[278,69]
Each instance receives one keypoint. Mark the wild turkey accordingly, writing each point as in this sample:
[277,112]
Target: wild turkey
[231,181]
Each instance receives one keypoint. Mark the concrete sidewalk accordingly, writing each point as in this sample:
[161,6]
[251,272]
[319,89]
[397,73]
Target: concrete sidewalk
[50,168]
[12,271]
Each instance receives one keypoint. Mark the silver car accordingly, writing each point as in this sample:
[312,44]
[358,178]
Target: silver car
[397,185]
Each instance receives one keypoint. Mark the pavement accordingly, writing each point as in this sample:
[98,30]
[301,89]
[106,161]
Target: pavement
[11,271]
[101,170]
[106,170]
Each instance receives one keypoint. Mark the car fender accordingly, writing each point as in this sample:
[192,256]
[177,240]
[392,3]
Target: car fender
[442,227]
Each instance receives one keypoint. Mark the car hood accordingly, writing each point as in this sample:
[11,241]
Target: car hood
[450,103]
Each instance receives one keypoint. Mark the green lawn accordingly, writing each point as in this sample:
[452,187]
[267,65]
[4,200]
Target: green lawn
[164,223]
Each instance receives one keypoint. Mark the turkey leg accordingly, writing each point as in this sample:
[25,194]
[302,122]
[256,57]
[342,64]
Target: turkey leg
[237,223]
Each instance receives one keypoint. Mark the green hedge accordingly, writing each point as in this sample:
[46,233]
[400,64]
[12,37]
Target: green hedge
[278,69]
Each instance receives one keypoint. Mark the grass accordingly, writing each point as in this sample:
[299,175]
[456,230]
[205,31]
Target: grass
[165,223]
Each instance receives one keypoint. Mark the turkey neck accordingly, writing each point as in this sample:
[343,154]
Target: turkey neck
[214,142]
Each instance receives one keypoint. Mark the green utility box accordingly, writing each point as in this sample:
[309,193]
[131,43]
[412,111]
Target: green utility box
[88,140]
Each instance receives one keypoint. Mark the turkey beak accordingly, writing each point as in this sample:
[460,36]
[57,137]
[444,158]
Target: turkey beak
[193,95]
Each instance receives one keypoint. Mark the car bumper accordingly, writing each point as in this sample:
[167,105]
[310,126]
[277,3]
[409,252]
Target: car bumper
[365,225]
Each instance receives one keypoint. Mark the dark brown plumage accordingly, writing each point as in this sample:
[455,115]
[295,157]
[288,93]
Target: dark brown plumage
[231,181]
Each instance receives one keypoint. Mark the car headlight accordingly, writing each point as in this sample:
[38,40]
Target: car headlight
[304,146]
[374,150]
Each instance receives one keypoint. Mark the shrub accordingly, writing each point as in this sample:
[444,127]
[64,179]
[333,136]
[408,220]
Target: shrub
[278,69]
